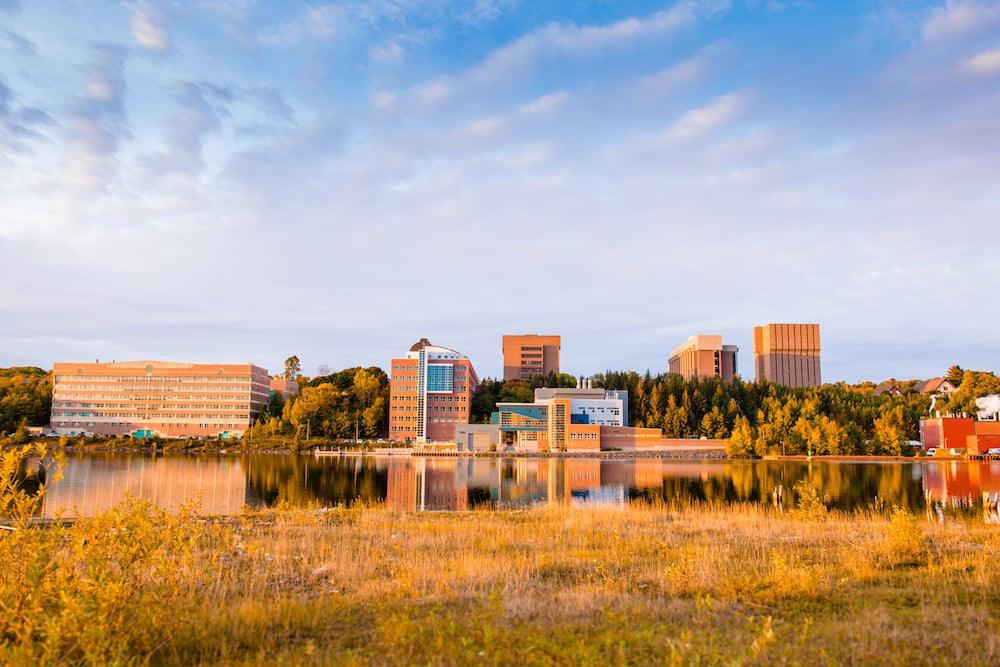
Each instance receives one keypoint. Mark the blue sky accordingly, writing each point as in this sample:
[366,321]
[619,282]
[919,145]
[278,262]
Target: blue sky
[231,180]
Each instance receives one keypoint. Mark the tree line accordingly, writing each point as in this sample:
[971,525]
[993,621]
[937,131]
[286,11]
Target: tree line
[755,418]
[25,397]
[763,418]
[346,405]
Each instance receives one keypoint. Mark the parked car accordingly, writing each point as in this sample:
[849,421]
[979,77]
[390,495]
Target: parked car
[993,451]
[931,451]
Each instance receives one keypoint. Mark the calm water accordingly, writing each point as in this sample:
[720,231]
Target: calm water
[94,482]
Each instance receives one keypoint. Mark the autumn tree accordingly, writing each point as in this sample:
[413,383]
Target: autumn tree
[292,368]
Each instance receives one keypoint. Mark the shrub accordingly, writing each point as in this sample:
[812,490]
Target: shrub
[905,539]
[810,505]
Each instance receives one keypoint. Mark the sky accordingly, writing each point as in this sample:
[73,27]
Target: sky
[240,181]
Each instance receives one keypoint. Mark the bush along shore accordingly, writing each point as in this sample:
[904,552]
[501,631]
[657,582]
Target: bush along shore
[647,584]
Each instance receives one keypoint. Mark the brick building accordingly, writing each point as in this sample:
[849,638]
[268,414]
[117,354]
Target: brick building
[529,355]
[156,398]
[430,393]
[787,354]
[704,357]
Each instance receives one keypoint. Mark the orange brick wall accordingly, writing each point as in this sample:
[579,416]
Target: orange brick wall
[529,355]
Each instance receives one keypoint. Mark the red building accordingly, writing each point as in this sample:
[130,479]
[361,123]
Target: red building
[430,393]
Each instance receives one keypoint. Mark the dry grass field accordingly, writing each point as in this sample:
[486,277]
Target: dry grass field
[646,584]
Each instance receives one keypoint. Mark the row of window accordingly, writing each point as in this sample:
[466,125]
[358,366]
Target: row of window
[147,415]
[151,378]
[147,424]
[175,405]
[119,389]
[405,387]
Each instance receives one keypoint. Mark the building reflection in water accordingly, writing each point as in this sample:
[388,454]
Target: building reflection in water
[441,484]
[95,483]
[959,485]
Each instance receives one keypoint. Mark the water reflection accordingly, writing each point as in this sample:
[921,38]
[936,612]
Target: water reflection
[93,483]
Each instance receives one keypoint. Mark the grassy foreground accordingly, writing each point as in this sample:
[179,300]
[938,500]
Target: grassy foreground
[643,585]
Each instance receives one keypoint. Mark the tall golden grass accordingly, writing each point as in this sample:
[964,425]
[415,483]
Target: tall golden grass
[648,584]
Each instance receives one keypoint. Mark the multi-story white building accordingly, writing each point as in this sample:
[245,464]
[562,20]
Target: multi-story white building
[156,398]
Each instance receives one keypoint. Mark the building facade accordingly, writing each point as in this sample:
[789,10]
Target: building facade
[529,355]
[282,385]
[430,393]
[582,419]
[962,435]
[156,399]
[704,357]
[787,354]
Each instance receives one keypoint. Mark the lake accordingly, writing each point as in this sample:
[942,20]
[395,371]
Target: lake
[225,483]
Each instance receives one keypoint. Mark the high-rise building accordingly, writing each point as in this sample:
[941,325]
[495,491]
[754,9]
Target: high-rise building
[430,393]
[704,357]
[156,398]
[787,354]
[528,355]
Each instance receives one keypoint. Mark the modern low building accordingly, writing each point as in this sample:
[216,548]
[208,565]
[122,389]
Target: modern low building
[704,357]
[477,437]
[156,399]
[787,354]
[959,435]
[529,355]
[430,393]
[582,419]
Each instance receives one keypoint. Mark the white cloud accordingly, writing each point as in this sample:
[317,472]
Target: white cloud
[435,91]
[99,123]
[172,175]
[146,26]
[714,115]
[314,23]
[483,128]
[959,18]
[688,71]
[984,64]
[531,156]
[18,124]
[390,53]
[383,100]
[322,21]
[514,58]
[544,104]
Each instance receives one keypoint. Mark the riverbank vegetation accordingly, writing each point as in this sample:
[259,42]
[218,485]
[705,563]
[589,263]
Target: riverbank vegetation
[25,397]
[647,584]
